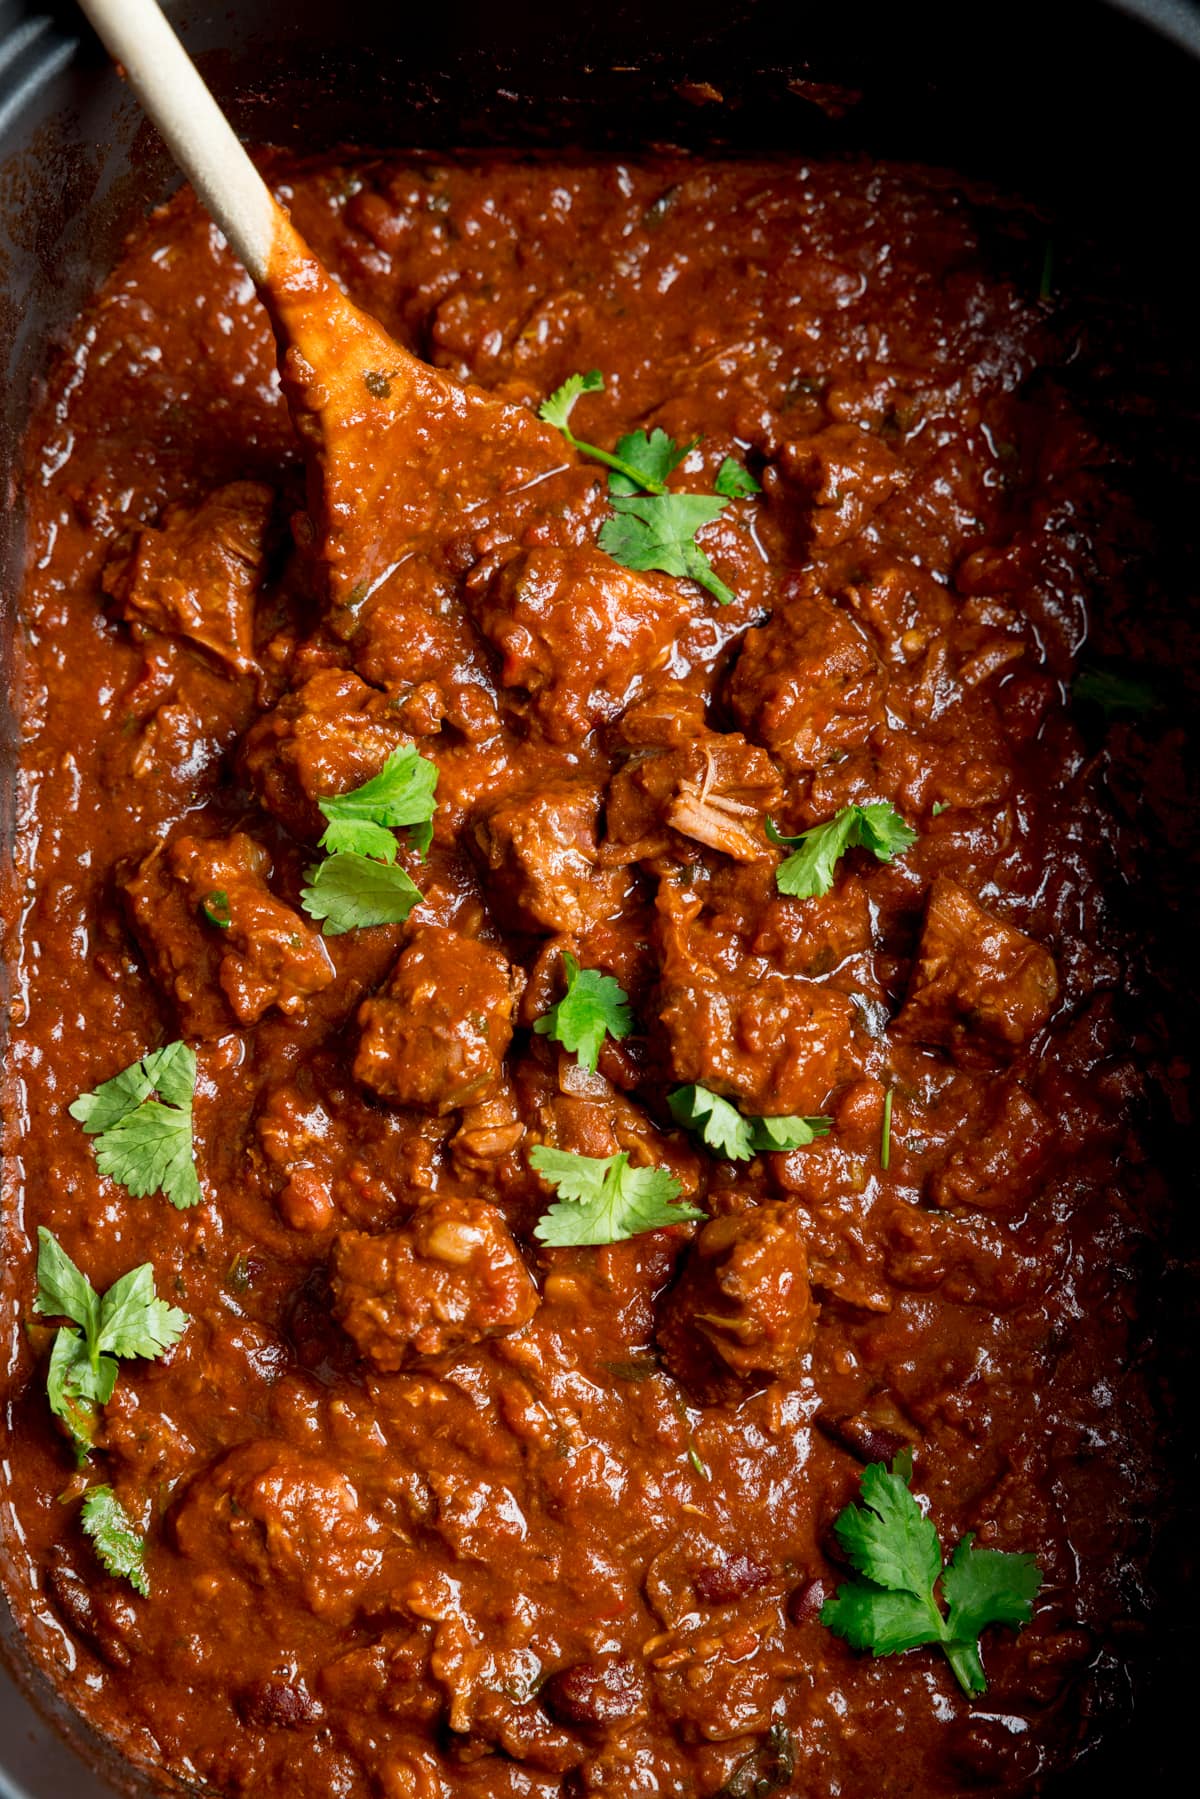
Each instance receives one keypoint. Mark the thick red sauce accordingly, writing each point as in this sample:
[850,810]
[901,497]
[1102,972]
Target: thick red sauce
[585,1553]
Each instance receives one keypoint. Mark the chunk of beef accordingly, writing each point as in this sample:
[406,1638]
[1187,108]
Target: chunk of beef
[847,473]
[219,944]
[597,1120]
[452,1276]
[807,684]
[488,1132]
[742,1311]
[576,631]
[328,737]
[436,1034]
[100,1613]
[664,716]
[197,574]
[979,987]
[330,1157]
[483,1681]
[774,1043]
[275,1516]
[997,1164]
[541,844]
[716,789]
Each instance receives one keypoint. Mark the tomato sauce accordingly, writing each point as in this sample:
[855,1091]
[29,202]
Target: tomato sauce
[433,1510]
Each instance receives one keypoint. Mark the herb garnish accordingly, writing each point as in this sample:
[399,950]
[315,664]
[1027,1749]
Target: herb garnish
[653,529]
[557,411]
[601,1199]
[350,891]
[885,1137]
[891,1542]
[129,1320]
[735,481]
[809,872]
[699,1465]
[593,1006]
[728,1133]
[120,1549]
[215,907]
[1115,695]
[650,533]
[363,820]
[358,883]
[142,1142]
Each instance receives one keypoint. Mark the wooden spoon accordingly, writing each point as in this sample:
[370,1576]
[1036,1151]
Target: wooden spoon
[403,458]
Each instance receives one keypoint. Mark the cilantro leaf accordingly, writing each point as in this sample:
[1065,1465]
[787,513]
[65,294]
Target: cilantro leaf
[363,820]
[120,1549]
[872,1618]
[772,1135]
[593,1005]
[558,408]
[130,1320]
[894,1546]
[809,872]
[75,1387]
[1116,695]
[728,1133]
[142,1142]
[557,411]
[134,1321]
[601,1199]
[350,891]
[150,1151]
[653,459]
[653,529]
[62,1290]
[659,533]
[888,1538]
[988,1586]
[735,481]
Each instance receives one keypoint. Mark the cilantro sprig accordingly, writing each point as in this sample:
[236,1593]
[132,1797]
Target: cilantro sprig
[809,872]
[364,820]
[601,1199]
[660,533]
[652,528]
[894,1546]
[1116,695]
[594,1006]
[128,1320]
[358,884]
[143,1142]
[121,1550]
[557,410]
[729,1134]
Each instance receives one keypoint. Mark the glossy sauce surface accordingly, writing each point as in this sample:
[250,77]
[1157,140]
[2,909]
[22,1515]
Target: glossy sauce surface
[434,1512]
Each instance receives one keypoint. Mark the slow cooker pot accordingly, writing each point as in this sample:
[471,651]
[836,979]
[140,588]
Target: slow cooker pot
[1087,108]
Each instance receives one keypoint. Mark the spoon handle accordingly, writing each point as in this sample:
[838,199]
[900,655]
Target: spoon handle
[196,131]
